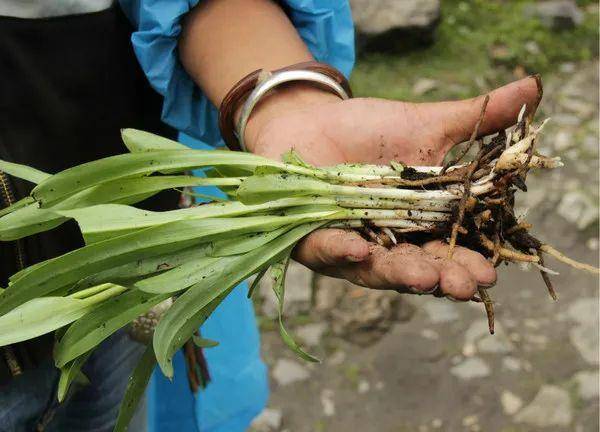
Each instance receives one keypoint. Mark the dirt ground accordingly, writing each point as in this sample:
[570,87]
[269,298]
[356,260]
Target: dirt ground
[396,363]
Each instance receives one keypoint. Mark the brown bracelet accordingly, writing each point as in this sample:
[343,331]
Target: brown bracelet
[244,87]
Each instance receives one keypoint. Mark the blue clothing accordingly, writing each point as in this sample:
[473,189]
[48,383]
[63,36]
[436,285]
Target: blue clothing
[324,25]
[239,387]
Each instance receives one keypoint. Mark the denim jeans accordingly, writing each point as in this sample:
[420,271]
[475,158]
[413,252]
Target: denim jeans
[29,403]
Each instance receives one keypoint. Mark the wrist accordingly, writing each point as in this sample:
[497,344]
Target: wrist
[284,99]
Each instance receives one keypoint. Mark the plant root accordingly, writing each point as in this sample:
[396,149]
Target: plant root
[546,248]
[547,280]
[489,307]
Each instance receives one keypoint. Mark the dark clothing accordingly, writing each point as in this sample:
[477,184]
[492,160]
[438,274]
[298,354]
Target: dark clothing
[67,87]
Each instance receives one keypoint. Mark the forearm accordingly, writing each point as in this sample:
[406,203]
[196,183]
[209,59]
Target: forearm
[224,40]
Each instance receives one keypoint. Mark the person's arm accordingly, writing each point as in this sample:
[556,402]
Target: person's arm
[223,40]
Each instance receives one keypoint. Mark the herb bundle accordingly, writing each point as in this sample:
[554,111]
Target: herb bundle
[135,259]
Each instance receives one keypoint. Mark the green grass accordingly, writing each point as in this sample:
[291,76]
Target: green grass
[478,45]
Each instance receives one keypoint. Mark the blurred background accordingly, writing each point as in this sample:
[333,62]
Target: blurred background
[396,363]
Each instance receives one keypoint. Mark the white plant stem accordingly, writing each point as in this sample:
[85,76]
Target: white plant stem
[387,223]
[415,215]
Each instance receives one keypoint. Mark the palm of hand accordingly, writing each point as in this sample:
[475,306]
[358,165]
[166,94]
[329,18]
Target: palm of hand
[357,130]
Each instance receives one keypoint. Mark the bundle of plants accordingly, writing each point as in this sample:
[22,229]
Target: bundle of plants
[135,259]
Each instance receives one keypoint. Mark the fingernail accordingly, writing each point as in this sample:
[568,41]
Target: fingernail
[432,290]
[353,258]
[414,290]
[490,285]
[449,297]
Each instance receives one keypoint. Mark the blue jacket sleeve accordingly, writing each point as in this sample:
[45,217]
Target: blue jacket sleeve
[324,25]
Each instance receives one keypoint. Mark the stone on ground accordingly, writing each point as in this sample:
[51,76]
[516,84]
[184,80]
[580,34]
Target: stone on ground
[379,16]
[269,420]
[588,384]
[557,14]
[311,334]
[473,367]
[288,371]
[511,403]
[584,335]
[550,407]
[440,310]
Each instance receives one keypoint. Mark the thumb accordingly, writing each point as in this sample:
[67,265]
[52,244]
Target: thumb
[459,118]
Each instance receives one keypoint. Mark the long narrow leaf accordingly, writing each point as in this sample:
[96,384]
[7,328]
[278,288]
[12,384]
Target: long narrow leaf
[135,389]
[256,281]
[23,172]
[130,272]
[178,278]
[70,373]
[188,312]
[278,273]
[26,221]
[16,206]
[138,141]
[73,266]
[31,219]
[262,188]
[112,168]
[93,328]
[40,316]
[201,342]
[105,221]
[245,243]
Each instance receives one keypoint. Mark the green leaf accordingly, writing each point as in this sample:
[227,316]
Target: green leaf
[150,242]
[178,278]
[202,196]
[105,221]
[138,381]
[23,172]
[132,271]
[278,273]
[204,343]
[138,141]
[193,307]
[30,219]
[40,316]
[267,170]
[230,171]
[93,328]
[245,243]
[127,191]
[24,271]
[26,221]
[15,206]
[293,157]
[262,188]
[256,281]
[81,177]
[69,373]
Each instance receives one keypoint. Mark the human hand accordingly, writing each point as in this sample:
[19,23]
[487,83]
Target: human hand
[325,130]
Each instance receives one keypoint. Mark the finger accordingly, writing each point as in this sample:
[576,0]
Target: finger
[459,118]
[331,247]
[480,268]
[403,268]
[455,280]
